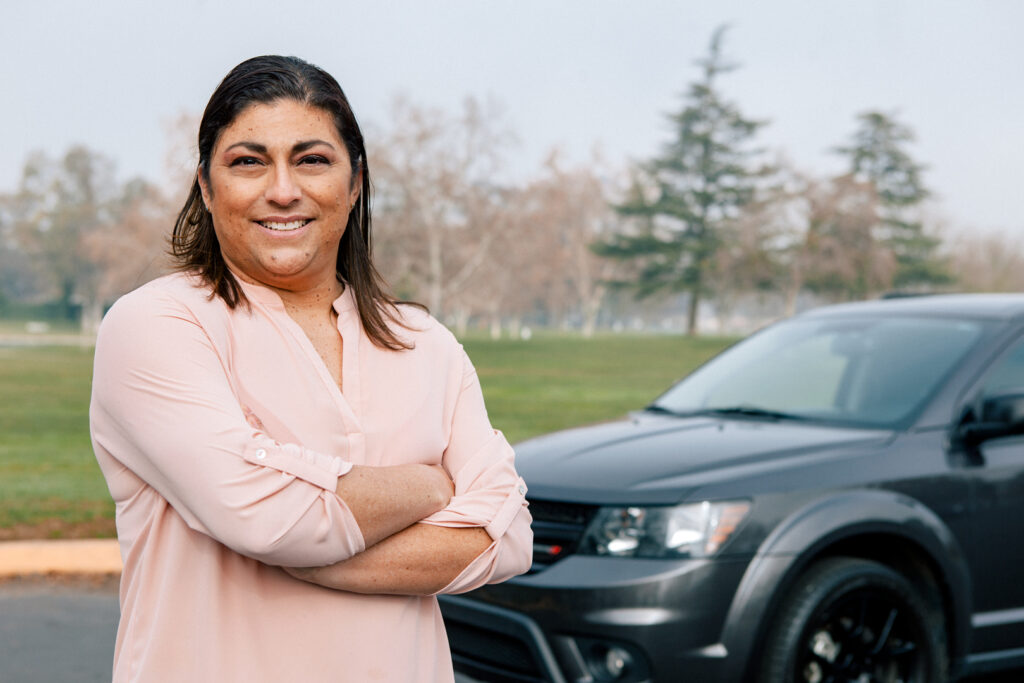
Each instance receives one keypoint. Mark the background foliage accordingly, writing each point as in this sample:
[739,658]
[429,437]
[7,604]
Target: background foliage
[712,231]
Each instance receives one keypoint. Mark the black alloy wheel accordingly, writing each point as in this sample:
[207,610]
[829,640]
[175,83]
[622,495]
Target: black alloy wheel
[851,620]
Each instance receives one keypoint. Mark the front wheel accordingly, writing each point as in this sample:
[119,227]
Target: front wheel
[852,620]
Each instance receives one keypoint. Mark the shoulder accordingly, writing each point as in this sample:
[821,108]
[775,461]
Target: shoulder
[416,326]
[178,295]
[183,287]
[150,325]
[432,344]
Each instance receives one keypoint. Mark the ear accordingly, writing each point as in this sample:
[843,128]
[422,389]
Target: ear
[357,186]
[204,188]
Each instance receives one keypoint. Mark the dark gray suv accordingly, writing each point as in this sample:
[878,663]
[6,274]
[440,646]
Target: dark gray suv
[839,497]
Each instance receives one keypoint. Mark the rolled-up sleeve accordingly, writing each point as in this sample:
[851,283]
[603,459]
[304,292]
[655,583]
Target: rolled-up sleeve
[488,491]
[163,408]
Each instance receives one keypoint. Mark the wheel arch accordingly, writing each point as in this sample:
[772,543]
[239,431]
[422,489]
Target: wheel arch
[890,528]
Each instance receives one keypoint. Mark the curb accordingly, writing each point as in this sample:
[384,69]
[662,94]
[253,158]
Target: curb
[77,557]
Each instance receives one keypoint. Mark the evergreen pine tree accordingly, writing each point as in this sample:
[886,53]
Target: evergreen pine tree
[685,196]
[878,155]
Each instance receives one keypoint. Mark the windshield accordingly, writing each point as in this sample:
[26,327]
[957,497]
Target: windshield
[871,372]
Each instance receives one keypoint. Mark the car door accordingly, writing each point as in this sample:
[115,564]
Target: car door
[996,547]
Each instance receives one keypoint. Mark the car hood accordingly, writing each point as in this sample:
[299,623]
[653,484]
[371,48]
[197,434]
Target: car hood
[657,459]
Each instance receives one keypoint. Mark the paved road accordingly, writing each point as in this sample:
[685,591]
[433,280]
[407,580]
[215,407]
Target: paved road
[55,633]
[50,634]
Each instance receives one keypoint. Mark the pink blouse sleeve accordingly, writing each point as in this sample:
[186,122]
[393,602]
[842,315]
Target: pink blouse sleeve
[488,492]
[164,409]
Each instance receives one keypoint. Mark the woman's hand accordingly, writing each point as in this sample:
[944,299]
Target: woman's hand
[407,561]
[385,500]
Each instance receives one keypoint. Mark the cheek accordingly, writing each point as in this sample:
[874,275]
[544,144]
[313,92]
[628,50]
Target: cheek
[334,203]
[232,196]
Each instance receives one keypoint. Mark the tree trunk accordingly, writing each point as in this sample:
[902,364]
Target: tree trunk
[591,309]
[691,312]
[461,321]
[436,270]
[67,306]
[92,313]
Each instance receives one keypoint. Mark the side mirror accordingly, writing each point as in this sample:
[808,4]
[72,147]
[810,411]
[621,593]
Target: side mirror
[1007,409]
[999,415]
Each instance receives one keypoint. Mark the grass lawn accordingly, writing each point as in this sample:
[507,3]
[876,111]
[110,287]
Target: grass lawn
[553,382]
[49,480]
[50,485]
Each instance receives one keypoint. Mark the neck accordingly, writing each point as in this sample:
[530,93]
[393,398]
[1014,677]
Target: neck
[315,298]
[309,297]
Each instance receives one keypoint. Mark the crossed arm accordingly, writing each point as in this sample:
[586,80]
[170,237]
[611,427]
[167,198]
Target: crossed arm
[419,560]
[402,556]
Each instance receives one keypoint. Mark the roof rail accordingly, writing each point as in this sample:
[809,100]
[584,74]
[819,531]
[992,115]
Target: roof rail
[907,295]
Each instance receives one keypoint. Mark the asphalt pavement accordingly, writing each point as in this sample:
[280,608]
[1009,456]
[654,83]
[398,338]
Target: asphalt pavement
[57,630]
[59,613]
[53,631]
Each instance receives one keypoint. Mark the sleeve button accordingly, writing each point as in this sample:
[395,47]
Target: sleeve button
[261,454]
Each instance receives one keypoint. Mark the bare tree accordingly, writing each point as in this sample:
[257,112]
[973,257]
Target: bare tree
[79,238]
[756,247]
[58,203]
[437,205]
[19,281]
[987,262]
[810,234]
[131,248]
[181,155]
[569,211]
[844,258]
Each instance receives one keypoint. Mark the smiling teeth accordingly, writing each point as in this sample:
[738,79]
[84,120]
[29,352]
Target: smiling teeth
[291,225]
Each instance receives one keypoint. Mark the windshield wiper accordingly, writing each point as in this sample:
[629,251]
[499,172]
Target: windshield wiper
[753,411]
[662,410]
[728,411]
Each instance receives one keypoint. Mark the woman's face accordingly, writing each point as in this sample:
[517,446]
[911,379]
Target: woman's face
[280,190]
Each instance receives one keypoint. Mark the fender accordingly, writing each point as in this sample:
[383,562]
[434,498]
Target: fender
[807,532]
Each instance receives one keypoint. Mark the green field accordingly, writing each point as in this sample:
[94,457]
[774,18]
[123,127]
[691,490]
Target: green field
[48,476]
[51,486]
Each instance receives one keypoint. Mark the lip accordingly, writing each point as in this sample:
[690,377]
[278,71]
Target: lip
[283,219]
[283,234]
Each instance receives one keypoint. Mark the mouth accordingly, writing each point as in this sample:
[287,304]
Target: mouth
[279,226]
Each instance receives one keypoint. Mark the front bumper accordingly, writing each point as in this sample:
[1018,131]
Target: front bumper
[557,624]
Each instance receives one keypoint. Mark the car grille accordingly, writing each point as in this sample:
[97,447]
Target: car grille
[557,529]
[495,644]
[492,654]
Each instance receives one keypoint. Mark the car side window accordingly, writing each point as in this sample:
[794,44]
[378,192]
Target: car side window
[1008,374]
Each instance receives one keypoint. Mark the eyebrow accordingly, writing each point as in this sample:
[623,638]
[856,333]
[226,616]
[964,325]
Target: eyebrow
[297,148]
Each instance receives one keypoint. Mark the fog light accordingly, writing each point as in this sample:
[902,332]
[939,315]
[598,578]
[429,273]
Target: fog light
[606,661]
[617,661]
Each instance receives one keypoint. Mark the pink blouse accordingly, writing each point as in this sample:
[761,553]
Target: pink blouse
[222,436]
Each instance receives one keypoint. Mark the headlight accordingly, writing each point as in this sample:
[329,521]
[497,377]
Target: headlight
[692,530]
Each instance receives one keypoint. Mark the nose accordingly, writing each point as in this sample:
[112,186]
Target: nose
[283,190]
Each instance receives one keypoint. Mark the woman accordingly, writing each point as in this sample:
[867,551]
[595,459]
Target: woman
[299,462]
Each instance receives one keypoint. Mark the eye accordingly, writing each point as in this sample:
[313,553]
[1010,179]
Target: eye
[245,161]
[313,159]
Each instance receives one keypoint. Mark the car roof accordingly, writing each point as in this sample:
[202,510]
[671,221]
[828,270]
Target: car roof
[987,306]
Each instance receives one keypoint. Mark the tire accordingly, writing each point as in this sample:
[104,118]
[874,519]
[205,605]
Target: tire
[848,619]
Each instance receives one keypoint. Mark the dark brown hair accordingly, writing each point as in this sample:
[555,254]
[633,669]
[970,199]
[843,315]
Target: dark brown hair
[194,245]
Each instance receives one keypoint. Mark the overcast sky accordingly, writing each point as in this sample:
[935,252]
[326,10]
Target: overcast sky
[573,74]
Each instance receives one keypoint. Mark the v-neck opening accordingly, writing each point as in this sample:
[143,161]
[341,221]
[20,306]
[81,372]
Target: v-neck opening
[347,328]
